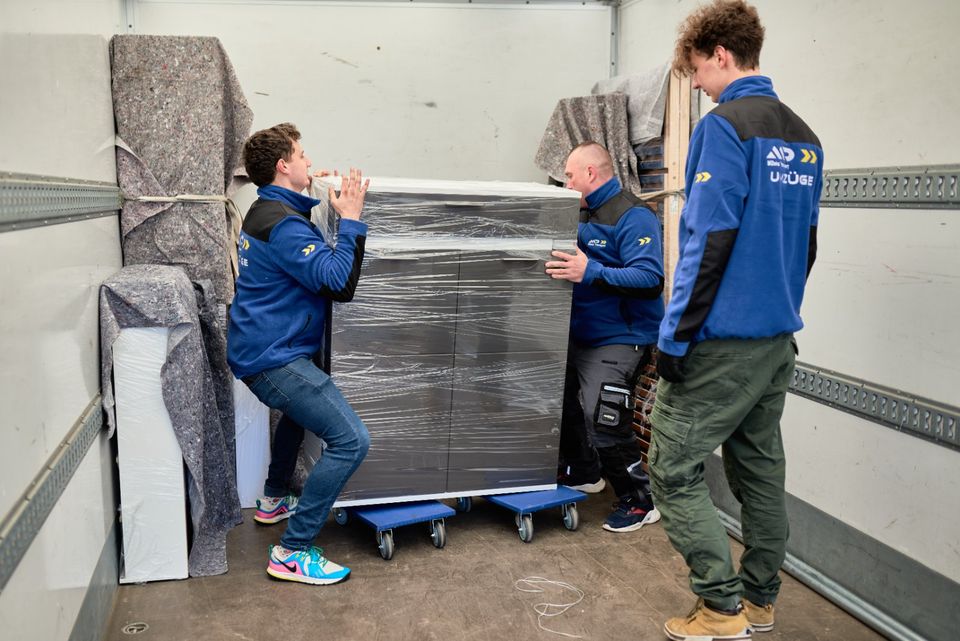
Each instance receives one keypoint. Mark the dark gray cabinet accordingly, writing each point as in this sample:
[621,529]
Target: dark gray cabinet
[454,346]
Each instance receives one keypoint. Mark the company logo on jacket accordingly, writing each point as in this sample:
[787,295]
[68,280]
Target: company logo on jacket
[779,159]
[597,242]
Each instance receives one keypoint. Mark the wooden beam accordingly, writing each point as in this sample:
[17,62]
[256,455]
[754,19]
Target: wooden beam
[676,140]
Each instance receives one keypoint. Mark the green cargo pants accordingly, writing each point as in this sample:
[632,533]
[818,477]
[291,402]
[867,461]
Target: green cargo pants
[733,397]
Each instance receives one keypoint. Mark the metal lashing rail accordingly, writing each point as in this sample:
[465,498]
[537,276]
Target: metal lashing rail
[22,523]
[899,410]
[922,187]
[35,201]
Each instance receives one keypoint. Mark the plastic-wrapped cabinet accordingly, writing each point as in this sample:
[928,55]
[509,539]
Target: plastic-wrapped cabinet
[454,347]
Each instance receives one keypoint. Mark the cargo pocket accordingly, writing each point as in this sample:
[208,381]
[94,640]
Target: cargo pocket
[670,429]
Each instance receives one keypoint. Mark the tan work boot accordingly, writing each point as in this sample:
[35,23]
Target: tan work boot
[759,617]
[706,624]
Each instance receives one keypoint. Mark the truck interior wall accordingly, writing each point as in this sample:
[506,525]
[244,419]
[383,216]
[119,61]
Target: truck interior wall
[422,90]
[881,303]
[465,92]
[56,120]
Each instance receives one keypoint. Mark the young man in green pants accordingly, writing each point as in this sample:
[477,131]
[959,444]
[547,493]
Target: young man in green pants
[747,243]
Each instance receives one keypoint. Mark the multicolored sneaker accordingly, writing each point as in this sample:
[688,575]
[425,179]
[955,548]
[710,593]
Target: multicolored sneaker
[629,516]
[273,509]
[304,566]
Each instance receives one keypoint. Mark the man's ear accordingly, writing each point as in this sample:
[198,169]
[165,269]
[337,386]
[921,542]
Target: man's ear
[281,166]
[724,57]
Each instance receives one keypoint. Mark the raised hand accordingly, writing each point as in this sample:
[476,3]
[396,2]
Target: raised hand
[353,190]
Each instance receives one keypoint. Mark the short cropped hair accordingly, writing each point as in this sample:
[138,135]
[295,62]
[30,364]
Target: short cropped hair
[597,151]
[264,148]
[732,24]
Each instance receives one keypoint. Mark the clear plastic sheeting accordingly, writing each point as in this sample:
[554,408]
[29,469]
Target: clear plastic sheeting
[460,210]
[454,347]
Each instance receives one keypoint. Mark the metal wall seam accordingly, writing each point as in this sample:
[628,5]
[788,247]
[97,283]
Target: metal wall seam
[22,523]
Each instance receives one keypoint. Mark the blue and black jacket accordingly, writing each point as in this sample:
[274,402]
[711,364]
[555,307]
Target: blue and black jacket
[619,300]
[748,232]
[287,276]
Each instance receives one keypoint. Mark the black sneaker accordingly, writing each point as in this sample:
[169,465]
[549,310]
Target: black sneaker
[629,516]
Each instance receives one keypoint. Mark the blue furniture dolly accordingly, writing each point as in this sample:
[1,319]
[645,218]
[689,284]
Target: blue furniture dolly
[384,518]
[525,504]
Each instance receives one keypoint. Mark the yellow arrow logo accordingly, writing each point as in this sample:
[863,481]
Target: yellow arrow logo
[309,248]
[703,177]
[809,155]
[644,241]
[245,244]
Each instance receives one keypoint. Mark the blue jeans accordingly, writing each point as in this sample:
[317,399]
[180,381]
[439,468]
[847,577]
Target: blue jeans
[307,396]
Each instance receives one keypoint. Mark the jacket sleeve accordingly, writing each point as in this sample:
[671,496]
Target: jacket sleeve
[301,252]
[640,248]
[717,187]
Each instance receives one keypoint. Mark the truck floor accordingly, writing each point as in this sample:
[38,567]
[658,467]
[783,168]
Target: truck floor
[631,583]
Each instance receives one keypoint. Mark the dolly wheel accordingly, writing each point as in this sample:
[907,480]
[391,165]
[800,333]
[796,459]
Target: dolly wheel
[464,503]
[438,533]
[340,516]
[525,529]
[571,518]
[385,544]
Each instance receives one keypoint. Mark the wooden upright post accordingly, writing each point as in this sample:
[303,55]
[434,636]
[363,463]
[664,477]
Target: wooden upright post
[676,139]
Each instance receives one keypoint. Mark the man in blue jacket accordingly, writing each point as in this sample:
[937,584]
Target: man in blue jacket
[617,272]
[747,243]
[288,274]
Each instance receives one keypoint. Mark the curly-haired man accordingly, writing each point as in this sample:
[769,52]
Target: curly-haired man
[747,243]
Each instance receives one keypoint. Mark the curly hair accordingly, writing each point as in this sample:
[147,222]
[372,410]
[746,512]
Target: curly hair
[732,24]
[264,148]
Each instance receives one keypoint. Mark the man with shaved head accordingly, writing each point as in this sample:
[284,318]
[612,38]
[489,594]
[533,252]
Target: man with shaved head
[617,272]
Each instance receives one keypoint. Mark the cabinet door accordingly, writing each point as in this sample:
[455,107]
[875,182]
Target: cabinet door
[507,303]
[405,303]
[505,427]
[405,403]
